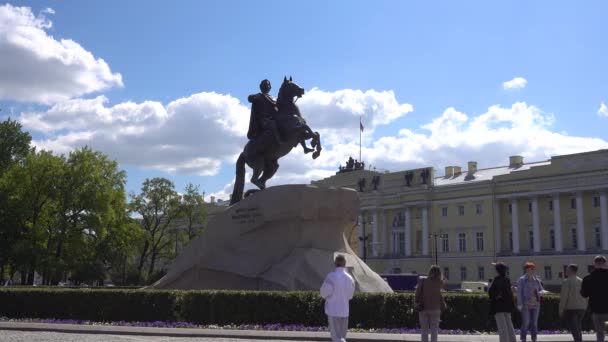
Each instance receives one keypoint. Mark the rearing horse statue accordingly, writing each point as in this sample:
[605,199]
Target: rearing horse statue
[262,155]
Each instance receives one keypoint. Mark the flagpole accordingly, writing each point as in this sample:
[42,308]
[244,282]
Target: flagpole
[360,133]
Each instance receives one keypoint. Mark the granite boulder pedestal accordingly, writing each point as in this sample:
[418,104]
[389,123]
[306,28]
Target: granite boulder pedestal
[282,238]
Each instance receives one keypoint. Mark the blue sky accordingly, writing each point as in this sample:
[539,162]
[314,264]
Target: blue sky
[431,55]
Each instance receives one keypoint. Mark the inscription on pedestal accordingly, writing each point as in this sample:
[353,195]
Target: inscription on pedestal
[246,215]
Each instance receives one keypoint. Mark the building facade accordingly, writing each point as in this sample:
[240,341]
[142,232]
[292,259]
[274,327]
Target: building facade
[552,212]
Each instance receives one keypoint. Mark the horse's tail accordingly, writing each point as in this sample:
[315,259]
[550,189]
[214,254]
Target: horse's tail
[239,183]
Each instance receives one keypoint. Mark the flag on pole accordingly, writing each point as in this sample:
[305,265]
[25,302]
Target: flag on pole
[360,125]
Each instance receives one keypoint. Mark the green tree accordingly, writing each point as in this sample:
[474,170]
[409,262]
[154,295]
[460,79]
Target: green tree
[14,143]
[193,210]
[91,204]
[157,206]
[32,189]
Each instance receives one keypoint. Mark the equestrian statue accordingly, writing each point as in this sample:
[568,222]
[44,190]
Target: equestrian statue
[275,127]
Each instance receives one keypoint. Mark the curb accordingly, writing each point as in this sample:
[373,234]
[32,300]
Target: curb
[252,334]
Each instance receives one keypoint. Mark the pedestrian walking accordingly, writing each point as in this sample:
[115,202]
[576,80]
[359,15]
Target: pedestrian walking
[337,290]
[502,303]
[429,303]
[529,291]
[572,305]
[594,287]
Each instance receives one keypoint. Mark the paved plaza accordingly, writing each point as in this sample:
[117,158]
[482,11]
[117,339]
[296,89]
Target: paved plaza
[40,332]
[43,336]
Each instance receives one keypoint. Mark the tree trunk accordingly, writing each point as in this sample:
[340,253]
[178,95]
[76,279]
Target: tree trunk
[152,262]
[142,258]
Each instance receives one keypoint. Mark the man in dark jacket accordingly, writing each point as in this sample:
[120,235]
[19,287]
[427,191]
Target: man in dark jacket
[502,303]
[594,287]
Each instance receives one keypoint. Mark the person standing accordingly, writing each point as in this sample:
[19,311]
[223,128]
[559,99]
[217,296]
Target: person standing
[337,290]
[502,303]
[430,303]
[572,305]
[594,287]
[529,291]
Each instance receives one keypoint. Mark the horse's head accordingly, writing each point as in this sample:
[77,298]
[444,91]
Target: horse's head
[290,89]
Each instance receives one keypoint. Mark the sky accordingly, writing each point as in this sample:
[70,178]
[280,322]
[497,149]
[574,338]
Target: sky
[161,87]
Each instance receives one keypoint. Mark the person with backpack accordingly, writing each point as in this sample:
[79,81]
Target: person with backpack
[502,303]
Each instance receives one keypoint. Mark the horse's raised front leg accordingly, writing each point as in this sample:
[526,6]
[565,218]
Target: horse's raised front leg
[316,143]
[306,149]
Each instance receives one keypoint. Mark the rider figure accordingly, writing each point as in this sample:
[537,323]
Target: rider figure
[263,109]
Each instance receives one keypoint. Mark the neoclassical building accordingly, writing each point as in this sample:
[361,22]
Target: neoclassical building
[552,212]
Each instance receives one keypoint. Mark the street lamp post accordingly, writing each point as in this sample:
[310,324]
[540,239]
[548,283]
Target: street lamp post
[363,239]
[435,236]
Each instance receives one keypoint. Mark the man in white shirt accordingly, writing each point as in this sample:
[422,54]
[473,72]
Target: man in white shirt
[337,290]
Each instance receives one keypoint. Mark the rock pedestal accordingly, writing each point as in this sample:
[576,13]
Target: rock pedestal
[282,238]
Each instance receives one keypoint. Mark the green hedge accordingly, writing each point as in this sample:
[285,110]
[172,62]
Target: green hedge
[464,311]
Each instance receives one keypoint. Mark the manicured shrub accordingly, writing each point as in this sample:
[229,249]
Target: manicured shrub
[464,311]
[85,304]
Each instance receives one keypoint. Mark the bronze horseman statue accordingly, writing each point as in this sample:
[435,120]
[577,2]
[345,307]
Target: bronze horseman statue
[275,127]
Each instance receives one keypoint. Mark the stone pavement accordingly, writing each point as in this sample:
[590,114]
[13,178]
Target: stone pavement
[41,332]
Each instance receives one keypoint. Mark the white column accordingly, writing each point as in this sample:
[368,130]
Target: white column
[497,227]
[425,231]
[375,234]
[557,224]
[535,225]
[360,235]
[580,222]
[515,226]
[408,231]
[604,219]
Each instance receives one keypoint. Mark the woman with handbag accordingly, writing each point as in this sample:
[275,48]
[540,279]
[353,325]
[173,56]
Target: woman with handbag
[502,303]
[429,303]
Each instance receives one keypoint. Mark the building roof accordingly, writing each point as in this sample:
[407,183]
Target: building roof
[485,174]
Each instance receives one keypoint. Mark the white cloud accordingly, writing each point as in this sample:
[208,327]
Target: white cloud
[603,111]
[515,83]
[452,138]
[199,133]
[36,67]
[204,132]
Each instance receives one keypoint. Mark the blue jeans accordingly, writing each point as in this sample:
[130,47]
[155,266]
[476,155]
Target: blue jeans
[529,321]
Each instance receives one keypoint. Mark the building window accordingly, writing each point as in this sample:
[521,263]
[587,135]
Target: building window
[444,211]
[479,238]
[573,236]
[399,240]
[548,273]
[462,242]
[445,243]
[463,273]
[596,201]
[511,240]
[529,207]
[573,203]
[510,208]
[550,205]
[598,238]
[478,209]
[552,238]
[399,220]
[531,238]
[481,273]
[461,210]
[419,241]
[446,273]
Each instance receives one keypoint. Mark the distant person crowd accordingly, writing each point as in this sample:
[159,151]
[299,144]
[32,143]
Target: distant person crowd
[577,295]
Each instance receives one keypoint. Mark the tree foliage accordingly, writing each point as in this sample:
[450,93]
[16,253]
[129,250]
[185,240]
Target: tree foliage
[66,217]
